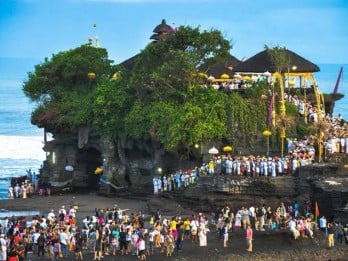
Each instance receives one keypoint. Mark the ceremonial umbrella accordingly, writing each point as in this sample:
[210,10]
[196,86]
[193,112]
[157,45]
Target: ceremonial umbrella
[227,148]
[224,76]
[213,150]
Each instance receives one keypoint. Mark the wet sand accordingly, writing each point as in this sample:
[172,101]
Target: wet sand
[271,245]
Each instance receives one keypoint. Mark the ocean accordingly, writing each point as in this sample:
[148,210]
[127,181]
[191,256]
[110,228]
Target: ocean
[21,142]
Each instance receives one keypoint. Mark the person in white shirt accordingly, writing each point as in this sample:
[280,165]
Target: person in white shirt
[3,252]
[51,217]
[72,212]
[64,240]
[293,229]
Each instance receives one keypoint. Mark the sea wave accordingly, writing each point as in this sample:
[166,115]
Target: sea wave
[22,147]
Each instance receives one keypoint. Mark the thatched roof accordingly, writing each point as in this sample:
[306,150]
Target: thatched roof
[224,67]
[130,62]
[163,28]
[261,63]
[161,31]
[217,69]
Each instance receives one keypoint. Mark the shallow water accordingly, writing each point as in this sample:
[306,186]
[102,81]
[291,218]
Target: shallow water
[24,213]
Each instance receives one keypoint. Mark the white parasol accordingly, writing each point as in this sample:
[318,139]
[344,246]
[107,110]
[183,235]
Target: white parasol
[69,168]
[213,150]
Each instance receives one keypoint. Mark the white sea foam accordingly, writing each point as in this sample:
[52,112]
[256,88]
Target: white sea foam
[22,147]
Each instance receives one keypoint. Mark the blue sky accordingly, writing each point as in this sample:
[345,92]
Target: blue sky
[35,29]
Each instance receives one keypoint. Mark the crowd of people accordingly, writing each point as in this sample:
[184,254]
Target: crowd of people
[242,166]
[300,152]
[115,231]
[22,190]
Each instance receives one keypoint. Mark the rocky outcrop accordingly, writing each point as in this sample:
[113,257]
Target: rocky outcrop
[125,162]
[325,184]
[328,186]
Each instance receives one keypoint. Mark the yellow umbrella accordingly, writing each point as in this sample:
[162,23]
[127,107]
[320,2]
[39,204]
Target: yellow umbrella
[227,148]
[224,76]
[266,133]
[91,75]
[246,78]
[116,76]
[203,75]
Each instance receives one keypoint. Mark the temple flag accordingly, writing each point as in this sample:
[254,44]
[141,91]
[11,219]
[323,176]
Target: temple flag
[340,74]
[270,109]
[316,210]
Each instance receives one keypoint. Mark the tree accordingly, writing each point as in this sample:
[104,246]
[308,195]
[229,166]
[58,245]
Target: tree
[160,101]
[62,89]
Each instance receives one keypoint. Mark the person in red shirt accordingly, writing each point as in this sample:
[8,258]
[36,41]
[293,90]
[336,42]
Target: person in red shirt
[16,238]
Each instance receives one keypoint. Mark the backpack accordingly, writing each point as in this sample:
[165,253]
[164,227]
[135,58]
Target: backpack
[41,241]
[259,212]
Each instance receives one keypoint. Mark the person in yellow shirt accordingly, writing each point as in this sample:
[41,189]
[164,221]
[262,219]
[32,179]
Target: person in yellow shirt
[187,228]
[211,167]
[172,227]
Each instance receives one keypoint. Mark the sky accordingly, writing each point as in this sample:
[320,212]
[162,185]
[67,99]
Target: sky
[35,29]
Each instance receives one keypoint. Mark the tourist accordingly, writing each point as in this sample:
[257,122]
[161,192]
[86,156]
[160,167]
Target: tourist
[155,187]
[10,192]
[224,232]
[202,235]
[12,254]
[323,224]
[64,240]
[57,251]
[330,232]
[17,191]
[249,238]
[41,243]
[169,243]
[51,217]
[20,248]
[78,240]
[261,217]
[141,247]
[293,228]
[238,220]
[3,252]
[245,217]
[194,229]
[98,246]
[172,227]
[187,228]
[339,232]
[180,234]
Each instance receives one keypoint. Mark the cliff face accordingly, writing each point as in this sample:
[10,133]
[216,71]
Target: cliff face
[132,164]
[72,159]
[325,184]
[328,186]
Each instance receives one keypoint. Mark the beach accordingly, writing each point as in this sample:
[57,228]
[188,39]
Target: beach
[268,245]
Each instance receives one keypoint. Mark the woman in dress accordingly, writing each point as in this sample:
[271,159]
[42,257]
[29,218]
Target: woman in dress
[238,220]
[202,235]
[249,238]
